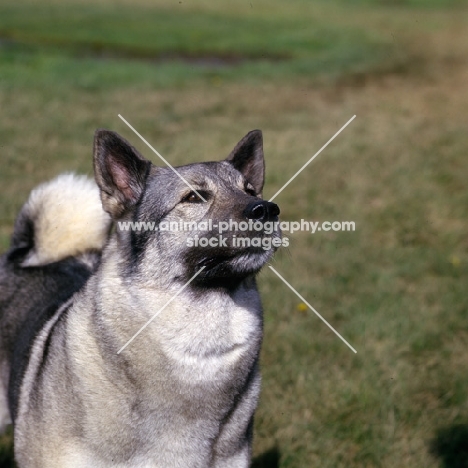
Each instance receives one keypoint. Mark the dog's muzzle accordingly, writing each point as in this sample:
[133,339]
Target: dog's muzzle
[261,210]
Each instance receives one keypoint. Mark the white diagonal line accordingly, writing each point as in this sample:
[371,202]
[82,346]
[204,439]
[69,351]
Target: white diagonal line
[160,310]
[311,308]
[313,157]
[163,159]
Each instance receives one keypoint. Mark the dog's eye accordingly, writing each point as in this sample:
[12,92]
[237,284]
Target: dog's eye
[193,197]
[250,190]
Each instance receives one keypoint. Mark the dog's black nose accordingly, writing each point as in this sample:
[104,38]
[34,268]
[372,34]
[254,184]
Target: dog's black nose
[261,210]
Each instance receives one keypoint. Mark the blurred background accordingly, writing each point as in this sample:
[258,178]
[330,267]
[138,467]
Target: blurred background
[193,76]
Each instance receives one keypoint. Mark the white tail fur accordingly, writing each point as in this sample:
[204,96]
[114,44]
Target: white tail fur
[67,218]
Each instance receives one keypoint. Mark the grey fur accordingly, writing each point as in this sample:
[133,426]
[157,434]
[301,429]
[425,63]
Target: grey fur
[184,393]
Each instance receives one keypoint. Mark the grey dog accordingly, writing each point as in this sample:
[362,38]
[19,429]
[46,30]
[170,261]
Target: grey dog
[77,284]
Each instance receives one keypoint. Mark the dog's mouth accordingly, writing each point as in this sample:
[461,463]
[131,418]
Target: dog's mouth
[216,259]
[212,262]
[227,255]
[228,265]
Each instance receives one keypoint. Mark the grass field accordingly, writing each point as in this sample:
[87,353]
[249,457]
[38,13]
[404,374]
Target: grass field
[193,78]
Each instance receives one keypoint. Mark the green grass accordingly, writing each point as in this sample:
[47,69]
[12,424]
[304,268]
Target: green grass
[91,45]
[395,288]
[150,31]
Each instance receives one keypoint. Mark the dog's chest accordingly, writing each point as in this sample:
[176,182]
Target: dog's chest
[205,341]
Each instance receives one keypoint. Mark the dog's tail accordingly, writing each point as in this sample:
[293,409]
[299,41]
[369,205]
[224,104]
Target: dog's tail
[61,218]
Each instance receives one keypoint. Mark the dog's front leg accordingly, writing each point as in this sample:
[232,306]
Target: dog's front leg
[4,412]
[233,449]
[239,460]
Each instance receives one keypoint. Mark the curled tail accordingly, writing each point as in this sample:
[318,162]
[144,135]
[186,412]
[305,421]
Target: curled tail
[61,218]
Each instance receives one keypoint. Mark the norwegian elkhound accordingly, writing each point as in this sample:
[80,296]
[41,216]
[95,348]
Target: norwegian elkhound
[82,277]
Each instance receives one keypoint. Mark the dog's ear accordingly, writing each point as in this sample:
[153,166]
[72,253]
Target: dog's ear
[247,158]
[120,172]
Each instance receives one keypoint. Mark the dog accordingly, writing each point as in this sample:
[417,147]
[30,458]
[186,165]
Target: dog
[76,285]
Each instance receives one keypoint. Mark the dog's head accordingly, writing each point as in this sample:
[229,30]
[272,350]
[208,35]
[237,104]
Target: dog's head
[174,222]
